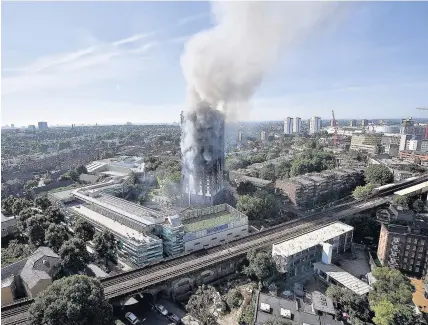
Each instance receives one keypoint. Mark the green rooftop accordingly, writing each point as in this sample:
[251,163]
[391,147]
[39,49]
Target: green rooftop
[213,220]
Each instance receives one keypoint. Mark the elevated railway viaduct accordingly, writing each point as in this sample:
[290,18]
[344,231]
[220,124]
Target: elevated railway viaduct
[177,277]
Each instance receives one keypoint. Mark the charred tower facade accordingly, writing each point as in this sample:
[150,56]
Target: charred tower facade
[202,144]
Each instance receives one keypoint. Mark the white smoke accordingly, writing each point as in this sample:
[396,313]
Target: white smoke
[226,64]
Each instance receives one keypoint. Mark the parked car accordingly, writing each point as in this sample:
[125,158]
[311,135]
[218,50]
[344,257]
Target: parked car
[132,318]
[161,309]
[174,318]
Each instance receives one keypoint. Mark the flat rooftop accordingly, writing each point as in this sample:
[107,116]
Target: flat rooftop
[63,195]
[130,210]
[220,218]
[344,278]
[114,226]
[298,244]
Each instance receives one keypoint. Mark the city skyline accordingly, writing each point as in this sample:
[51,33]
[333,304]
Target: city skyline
[110,69]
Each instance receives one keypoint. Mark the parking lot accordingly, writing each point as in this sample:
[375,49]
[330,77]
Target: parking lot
[144,311]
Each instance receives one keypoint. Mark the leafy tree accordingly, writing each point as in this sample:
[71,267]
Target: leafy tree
[390,285]
[262,205]
[282,170]
[268,172]
[36,226]
[356,306]
[234,162]
[105,245]
[245,187]
[74,300]
[384,312]
[260,265]
[54,215]
[363,192]
[55,236]
[402,200]
[74,255]
[84,230]
[24,215]
[171,190]
[7,204]
[81,170]
[378,174]
[201,303]
[419,206]
[19,205]
[15,251]
[234,298]
[43,202]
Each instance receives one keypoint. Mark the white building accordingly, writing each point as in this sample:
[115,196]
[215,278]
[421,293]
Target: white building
[413,145]
[315,125]
[297,125]
[288,125]
[296,256]
[212,226]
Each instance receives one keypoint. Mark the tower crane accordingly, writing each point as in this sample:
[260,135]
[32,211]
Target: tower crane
[426,128]
[335,129]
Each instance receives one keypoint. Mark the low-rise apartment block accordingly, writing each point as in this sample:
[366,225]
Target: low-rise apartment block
[311,190]
[296,256]
[404,247]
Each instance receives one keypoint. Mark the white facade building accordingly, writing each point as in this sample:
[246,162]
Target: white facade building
[413,145]
[296,256]
[288,125]
[212,226]
[297,125]
[315,125]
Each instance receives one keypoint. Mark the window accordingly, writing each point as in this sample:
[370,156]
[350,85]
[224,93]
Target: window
[417,269]
[415,241]
[222,240]
[237,236]
[409,240]
[229,234]
[407,246]
[195,244]
[419,255]
[214,238]
[244,229]
[406,254]
[405,260]
[422,242]
[418,263]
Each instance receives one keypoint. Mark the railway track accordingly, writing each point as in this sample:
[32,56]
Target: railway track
[135,284]
[125,283]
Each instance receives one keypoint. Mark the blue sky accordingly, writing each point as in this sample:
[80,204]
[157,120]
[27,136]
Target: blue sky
[112,62]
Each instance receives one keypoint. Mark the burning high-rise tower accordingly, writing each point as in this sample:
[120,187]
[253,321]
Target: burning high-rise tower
[203,156]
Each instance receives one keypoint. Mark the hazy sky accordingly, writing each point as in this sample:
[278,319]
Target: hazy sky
[112,62]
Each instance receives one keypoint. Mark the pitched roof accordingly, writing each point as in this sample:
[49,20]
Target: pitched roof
[39,266]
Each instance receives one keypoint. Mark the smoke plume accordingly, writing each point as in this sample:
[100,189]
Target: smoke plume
[224,65]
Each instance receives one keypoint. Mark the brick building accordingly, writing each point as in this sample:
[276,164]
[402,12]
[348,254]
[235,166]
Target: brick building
[404,247]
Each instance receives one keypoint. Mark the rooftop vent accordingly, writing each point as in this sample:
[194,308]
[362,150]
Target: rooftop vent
[46,263]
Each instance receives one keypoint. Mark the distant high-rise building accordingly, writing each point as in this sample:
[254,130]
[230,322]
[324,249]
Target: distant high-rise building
[332,123]
[288,125]
[353,123]
[12,126]
[128,123]
[315,125]
[240,136]
[297,125]
[263,136]
[364,122]
[42,125]
[32,127]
